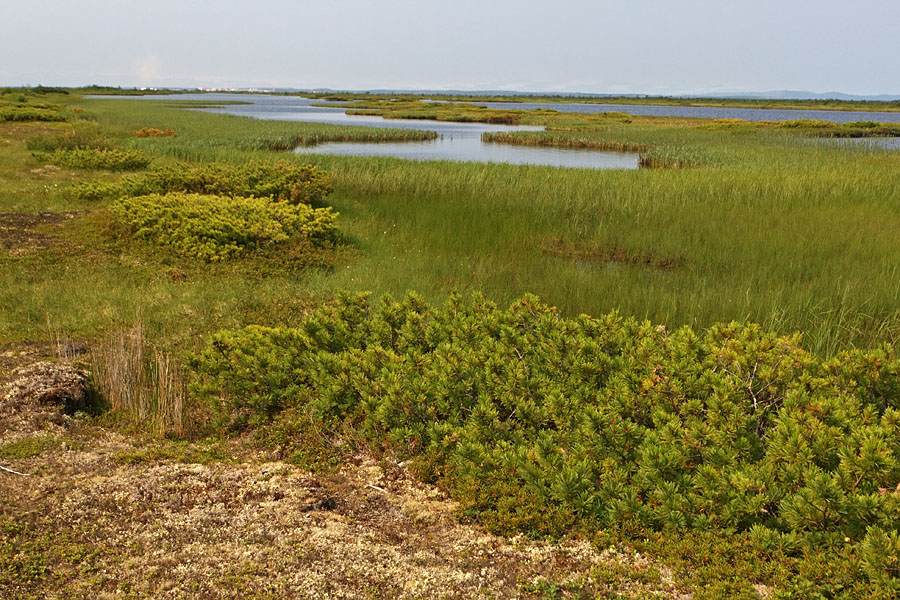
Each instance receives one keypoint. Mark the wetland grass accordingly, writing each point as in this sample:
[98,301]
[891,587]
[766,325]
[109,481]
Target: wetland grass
[769,227]
[764,227]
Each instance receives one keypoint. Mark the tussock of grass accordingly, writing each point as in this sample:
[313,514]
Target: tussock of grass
[139,381]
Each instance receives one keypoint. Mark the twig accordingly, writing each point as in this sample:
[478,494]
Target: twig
[14,472]
[375,487]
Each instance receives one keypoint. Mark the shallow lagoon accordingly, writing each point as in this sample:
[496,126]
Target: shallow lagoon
[455,141]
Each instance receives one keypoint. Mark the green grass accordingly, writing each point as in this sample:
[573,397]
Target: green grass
[773,228]
[764,224]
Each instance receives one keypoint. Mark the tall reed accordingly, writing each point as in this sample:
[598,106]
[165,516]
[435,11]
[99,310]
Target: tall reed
[140,381]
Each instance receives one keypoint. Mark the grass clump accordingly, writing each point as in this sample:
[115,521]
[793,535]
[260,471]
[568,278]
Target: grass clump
[139,381]
[281,181]
[99,158]
[215,228]
[542,424]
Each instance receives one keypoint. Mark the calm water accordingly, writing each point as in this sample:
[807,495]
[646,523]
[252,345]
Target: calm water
[891,143]
[456,141]
[702,112]
[462,141]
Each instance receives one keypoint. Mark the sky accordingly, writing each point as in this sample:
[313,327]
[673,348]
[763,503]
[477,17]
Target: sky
[600,46]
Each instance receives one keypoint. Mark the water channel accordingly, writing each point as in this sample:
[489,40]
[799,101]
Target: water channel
[455,141]
[462,141]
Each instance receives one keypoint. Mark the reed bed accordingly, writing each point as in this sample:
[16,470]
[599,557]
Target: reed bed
[559,139]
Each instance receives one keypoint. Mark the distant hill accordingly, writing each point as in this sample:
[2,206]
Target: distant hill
[800,95]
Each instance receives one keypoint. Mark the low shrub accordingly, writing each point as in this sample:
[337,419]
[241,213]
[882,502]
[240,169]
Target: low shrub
[76,139]
[215,228]
[25,113]
[282,181]
[99,158]
[537,422]
[152,132]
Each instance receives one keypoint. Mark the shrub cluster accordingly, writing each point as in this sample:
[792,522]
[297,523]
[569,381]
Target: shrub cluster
[99,158]
[282,181]
[215,228]
[539,423]
[26,113]
[151,132]
[76,139]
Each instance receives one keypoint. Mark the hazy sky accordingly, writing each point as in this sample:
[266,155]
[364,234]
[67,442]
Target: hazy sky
[606,46]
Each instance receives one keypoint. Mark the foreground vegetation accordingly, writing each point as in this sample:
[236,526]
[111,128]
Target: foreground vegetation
[542,424]
[702,444]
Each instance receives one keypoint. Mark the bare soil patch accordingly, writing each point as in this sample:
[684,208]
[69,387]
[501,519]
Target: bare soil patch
[24,233]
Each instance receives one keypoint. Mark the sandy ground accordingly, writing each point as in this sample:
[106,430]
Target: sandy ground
[100,513]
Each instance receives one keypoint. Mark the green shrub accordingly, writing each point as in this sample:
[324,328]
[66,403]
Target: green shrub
[98,158]
[215,228]
[537,422]
[77,139]
[24,113]
[282,181]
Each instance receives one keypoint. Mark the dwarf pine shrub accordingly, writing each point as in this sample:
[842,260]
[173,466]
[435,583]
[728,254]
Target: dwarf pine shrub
[538,422]
[215,228]
[99,158]
[77,139]
[26,113]
[282,181]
